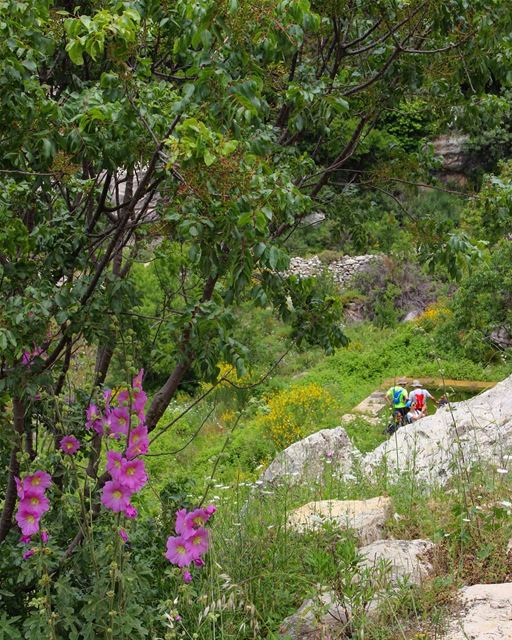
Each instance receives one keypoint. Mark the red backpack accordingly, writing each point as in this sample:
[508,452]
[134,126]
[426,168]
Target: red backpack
[419,398]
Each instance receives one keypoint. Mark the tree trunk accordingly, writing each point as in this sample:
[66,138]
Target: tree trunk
[14,468]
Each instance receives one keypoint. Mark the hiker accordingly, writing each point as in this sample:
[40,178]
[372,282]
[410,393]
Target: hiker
[414,413]
[443,401]
[420,395]
[397,397]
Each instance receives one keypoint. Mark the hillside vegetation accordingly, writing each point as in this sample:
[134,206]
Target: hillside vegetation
[160,165]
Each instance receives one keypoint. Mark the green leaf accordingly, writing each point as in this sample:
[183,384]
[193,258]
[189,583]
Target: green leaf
[75,52]
[208,157]
[273,257]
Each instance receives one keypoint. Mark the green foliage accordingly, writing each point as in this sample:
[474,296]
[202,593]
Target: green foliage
[412,124]
[489,214]
[480,306]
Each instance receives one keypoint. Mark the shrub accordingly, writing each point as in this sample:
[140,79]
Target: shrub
[391,292]
[295,411]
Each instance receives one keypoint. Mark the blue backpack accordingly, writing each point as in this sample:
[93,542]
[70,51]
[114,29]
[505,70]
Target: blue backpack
[397,395]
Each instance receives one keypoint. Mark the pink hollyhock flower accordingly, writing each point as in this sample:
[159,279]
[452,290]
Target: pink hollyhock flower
[19,487]
[178,551]
[35,501]
[210,510]
[133,474]
[198,542]
[138,442]
[25,539]
[138,403]
[38,481]
[137,381]
[94,419]
[123,535]
[69,445]
[183,526]
[123,398]
[44,536]
[28,520]
[27,554]
[114,463]
[28,356]
[107,396]
[131,512]
[115,496]
[198,518]
[187,577]
[119,419]
[92,413]
[199,562]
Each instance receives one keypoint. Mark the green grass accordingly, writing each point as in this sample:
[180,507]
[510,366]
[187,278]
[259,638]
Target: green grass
[350,375]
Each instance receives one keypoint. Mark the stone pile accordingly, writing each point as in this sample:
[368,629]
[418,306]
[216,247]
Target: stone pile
[342,270]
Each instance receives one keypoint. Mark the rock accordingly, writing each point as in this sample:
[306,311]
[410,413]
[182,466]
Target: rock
[451,149]
[476,430]
[306,459]
[486,613]
[325,616]
[365,517]
[407,558]
[316,619]
[501,338]
[341,270]
[412,315]
[372,404]
[354,312]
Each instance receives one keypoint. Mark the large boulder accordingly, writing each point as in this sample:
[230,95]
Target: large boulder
[405,558]
[307,459]
[326,617]
[486,613]
[365,517]
[475,430]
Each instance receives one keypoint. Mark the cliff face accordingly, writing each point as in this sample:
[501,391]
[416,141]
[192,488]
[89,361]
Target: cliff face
[455,159]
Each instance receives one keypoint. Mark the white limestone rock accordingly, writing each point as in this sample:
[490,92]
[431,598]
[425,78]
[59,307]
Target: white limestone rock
[478,430]
[307,459]
[405,558]
[365,517]
[486,613]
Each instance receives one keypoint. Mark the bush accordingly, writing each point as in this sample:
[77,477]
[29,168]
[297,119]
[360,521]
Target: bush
[482,304]
[294,412]
[391,292]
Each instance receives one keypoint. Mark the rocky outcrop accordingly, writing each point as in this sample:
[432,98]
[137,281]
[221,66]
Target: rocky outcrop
[502,338]
[327,617]
[307,460]
[486,613]
[405,558]
[372,404]
[455,159]
[475,430]
[365,517]
[342,270]
[451,150]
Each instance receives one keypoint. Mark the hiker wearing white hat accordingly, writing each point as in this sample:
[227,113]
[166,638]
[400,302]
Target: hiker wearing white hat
[419,395]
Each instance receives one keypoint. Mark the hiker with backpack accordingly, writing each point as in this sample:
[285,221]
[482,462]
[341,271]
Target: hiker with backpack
[397,398]
[419,395]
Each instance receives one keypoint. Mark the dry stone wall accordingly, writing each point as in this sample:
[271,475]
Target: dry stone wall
[342,270]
